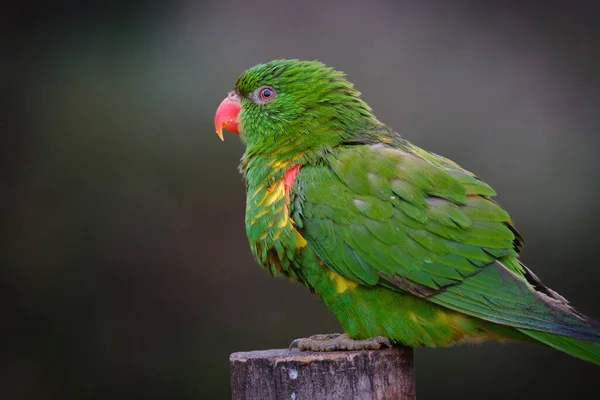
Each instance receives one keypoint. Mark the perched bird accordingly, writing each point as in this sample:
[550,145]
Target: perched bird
[403,245]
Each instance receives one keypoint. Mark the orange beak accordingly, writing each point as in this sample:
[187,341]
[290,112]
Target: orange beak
[227,115]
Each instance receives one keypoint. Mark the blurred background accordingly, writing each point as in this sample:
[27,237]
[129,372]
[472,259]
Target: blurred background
[126,272]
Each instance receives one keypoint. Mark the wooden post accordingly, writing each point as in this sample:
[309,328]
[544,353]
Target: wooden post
[361,375]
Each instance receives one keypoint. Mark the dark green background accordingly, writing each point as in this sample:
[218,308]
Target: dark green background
[125,268]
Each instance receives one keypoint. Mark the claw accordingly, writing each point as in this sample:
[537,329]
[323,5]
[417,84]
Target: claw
[336,342]
[295,344]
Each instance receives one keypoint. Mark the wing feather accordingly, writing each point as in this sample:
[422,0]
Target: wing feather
[386,216]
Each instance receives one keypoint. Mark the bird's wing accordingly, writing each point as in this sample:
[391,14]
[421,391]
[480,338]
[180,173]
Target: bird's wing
[379,215]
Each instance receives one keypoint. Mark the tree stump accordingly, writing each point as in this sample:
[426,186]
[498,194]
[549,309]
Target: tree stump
[282,374]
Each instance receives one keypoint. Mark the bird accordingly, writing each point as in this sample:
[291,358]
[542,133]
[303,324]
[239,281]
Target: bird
[404,246]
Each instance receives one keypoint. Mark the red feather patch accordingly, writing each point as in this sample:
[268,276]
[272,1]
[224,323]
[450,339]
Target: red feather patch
[288,180]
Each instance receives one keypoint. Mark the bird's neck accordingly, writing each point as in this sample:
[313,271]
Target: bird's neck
[259,169]
[308,137]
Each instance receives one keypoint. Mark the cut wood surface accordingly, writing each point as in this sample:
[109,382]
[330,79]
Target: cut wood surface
[283,374]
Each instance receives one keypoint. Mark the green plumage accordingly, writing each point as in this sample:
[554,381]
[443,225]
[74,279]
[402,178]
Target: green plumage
[397,241]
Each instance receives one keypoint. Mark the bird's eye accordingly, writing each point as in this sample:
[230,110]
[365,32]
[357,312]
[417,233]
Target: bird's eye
[266,93]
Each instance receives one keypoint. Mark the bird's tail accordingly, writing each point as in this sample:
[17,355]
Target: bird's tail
[529,307]
[586,350]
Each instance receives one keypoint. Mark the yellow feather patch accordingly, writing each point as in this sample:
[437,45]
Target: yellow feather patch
[283,221]
[272,195]
[301,241]
[444,317]
[258,215]
[341,284]
[279,164]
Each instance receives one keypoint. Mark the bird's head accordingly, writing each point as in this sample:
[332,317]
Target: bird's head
[291,106]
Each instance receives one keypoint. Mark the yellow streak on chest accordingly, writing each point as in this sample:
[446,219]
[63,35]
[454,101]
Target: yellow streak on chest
[270,203]
[341,284]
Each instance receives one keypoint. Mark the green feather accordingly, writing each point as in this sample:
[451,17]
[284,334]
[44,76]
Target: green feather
[397,241]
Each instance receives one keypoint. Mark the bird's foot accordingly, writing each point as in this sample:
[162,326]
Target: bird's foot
[338,341]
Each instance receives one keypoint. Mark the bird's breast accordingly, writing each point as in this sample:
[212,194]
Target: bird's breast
[273,237]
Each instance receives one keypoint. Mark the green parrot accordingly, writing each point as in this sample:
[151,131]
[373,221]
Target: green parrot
[404,246]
